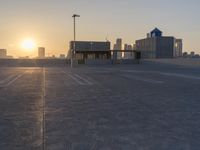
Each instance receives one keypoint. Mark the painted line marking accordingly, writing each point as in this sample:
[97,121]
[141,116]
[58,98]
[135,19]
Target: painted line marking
[143,79]
[44,110]
[7,79]
[15,79]
[133,71]
[78,79]
[165,74]
[10,80]
[180,75]
[75,79]
[85,80]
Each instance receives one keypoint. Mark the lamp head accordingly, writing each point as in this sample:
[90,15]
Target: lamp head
[75,15]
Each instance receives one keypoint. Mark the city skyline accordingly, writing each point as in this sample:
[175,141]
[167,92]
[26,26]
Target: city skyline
[49,23]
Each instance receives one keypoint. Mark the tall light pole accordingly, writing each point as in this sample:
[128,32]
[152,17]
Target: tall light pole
[74,45]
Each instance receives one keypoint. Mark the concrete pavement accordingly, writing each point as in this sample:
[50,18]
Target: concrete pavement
[142,107]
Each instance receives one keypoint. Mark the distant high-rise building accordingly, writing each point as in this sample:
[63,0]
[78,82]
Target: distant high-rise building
[128,55]
[41,52]
[128,47]
[178,48]
[118,46]
[3,53]
[134,47]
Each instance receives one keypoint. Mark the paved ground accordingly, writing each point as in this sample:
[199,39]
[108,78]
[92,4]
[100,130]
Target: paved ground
[190,62]
[136,107]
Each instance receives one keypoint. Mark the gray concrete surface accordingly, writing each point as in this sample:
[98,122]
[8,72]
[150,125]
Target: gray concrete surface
[133,107]
[34,62]
[189,62]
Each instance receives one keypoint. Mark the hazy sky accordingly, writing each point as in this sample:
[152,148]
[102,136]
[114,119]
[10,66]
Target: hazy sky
[49,22]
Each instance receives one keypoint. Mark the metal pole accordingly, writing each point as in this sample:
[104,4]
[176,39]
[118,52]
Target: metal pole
[73,51]
[74,44]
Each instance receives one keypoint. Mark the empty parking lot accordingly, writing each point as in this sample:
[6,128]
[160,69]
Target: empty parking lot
[142,107]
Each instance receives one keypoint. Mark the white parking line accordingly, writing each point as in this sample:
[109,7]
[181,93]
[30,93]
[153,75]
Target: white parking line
[133,71]
[143,79]
[180,75]
[7,79]
[85,80]
[76,79]
[44,110]
[10,80]
[13,80]
[165,74]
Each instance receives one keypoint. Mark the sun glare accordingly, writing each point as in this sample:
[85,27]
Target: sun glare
[28,44]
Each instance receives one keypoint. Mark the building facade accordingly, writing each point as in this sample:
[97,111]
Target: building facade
[178,48]
[127,53]
[41,52]
[157,46]
[118,47]
[90,50]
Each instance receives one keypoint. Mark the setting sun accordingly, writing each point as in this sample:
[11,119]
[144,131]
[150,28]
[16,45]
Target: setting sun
[28,44]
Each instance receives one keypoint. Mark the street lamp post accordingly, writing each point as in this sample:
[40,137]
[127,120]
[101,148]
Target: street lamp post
[74,45]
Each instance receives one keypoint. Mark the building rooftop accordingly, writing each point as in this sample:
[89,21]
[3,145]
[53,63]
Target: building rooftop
[156,33]
[156,30]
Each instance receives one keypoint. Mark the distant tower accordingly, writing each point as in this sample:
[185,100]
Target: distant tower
[128,55]
[41,52]
[148,35]
[178,47]
[156,33]
[118,46]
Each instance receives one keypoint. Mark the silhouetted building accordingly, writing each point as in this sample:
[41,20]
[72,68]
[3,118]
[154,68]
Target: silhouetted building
[196,56]
[192,54]
[24,57]
[118,46]
[3,53]
[62,56]
[128,47]
[185,54]
[90,50]
[127,53]
[157,46]
[178,48]
[134,47]
[41,52]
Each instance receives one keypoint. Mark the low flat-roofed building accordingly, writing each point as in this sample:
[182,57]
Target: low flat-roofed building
[90,50]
